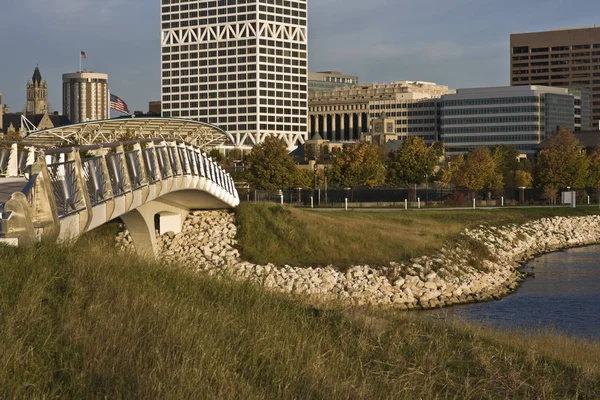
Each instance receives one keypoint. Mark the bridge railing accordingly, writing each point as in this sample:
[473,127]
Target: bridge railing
[14,158]
[66,188]
[96,183]
[111,171]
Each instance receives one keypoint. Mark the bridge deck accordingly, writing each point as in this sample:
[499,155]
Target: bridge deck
[8,186]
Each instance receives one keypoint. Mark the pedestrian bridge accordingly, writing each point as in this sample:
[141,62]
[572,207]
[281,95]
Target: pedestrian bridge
[151,184]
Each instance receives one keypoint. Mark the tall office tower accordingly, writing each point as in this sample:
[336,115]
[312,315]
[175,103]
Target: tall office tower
[85,96]
[37,94]
[567,58]
[238,64]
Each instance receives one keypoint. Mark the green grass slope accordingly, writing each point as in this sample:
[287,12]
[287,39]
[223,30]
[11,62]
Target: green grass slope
[286,235]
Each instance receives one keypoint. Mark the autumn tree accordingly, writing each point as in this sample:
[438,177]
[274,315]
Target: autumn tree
[561,163]
[594,170]
[12,136]
[479,172]
[522,179]
[358,164]
[449,170]
[550,193]
[270,166]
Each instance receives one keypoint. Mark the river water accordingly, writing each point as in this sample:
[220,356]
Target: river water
[564,296]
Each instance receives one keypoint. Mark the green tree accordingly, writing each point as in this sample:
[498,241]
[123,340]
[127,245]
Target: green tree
[479,171]
[562,164]
[507,163]
[270,166]
[411,163]
[305,179]
[525,165]
[358,164]
[309,152]
[233,162]
[216,155]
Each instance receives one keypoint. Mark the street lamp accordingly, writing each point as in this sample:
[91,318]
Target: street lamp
[316,166]
[426,188]
[325,170]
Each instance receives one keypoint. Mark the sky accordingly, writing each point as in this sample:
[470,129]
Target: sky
[458,43]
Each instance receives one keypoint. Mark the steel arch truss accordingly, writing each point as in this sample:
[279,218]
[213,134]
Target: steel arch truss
[196,133]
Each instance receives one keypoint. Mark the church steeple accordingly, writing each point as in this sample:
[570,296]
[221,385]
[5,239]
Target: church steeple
[37,76]
[37,94]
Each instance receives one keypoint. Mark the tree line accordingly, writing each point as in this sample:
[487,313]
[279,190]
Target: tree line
[560,164]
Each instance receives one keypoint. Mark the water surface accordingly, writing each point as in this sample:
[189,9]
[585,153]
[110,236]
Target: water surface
[564,296]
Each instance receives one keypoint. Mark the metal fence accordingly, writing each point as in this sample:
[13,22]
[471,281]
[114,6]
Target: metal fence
[396,197]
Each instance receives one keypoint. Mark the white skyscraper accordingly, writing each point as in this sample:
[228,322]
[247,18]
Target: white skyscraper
[237,64]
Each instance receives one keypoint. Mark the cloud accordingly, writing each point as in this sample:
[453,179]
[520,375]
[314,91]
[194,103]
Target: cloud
[66,15]
[441,51]
[432,52]
[93,9]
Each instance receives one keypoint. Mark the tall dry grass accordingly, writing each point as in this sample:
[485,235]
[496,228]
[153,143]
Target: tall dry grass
[88,322]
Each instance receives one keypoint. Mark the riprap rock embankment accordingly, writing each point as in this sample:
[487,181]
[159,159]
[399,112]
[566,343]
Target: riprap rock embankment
[480,266]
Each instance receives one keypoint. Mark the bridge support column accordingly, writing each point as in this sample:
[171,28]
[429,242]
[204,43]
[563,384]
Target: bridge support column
[141,224]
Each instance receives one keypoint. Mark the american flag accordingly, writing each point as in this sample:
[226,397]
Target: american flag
[83,55]
[117,104]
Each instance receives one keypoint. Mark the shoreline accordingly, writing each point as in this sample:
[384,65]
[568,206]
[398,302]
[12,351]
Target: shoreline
[483,266]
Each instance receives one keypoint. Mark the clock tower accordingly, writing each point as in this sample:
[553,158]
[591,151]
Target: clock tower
[37,94]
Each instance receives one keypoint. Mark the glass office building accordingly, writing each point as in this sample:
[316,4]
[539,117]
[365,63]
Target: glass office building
[521,116]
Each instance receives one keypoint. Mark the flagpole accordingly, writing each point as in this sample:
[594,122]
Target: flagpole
[79,61]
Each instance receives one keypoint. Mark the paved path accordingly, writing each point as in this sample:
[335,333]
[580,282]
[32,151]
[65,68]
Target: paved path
[8,186]
[391,209]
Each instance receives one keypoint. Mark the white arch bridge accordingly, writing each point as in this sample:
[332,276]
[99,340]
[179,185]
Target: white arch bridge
[148,183]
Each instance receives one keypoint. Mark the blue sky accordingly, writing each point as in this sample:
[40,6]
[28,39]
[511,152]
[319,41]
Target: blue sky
[459,43]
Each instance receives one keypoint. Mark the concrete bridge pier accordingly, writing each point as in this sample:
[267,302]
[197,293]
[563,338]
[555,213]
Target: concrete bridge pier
[141,224]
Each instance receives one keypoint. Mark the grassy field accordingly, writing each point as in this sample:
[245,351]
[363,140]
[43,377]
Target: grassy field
[286,235]
[87,322]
